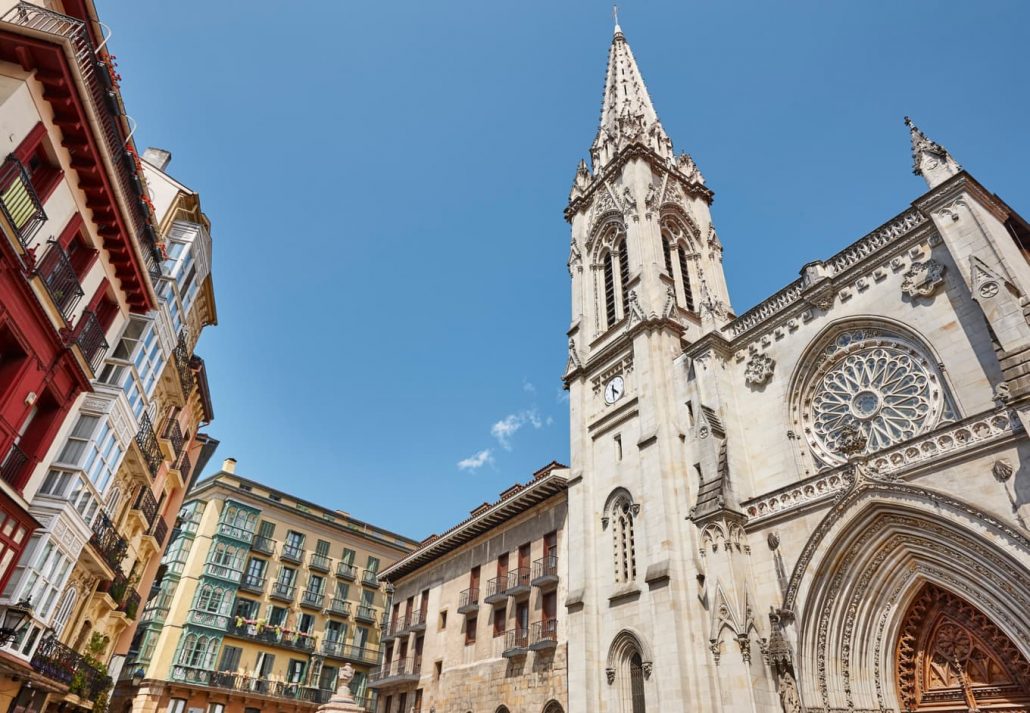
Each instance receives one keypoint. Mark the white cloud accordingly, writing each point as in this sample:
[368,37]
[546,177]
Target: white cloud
[508,426]
[528,386]
[476,460]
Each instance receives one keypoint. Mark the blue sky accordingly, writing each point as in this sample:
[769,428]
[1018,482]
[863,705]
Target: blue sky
[386,183]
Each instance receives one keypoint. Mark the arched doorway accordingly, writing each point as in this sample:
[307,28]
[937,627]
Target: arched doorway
[950,657]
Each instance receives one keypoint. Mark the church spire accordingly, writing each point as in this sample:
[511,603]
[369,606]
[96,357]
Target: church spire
[627,114]
[929,159]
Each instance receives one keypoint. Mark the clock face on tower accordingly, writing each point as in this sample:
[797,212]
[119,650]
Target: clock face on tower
[614,390]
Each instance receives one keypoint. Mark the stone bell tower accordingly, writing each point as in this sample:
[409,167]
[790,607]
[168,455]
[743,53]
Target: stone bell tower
[647,279]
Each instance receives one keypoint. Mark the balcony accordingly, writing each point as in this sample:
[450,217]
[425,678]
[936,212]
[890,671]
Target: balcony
[213,569]
[263,545]
[253,583]
[236,533]
[172,440]
[211,620]
[417,620]
[266,633]
[349,652]
[495,590]
[62,664]
[518,582]
[312,600]
[282,591]
[346,571]
[370,578]
[90,339]
[393,627]
[157,608]
[191,674]
[543,635]
[516,643]
[19,202]
[160,533]
[339,607]
[398,671]
[262,686]
[182,366]
[292,553]
[13,469]
[107,542]
[59,278]
[320,562]
[146,439]
[545,572]
[146,506]
[366,614]
[468,601]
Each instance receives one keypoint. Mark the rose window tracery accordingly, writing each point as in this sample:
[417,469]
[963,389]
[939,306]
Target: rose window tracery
[874,383]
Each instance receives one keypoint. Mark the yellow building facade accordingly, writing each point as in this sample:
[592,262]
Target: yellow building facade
[261,599]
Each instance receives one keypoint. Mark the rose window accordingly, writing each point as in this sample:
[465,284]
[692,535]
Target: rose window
[874,383]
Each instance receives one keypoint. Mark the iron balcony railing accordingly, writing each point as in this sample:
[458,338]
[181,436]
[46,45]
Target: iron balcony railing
[339,607]
[495,589]
[236,533]
[398,669]
[350,652]
[264,545]
[263,686]
[64,665]
[312,599]
[130,605]
[545,571]
[103,97]
[146,504]
[191,674]
[270,634]
[468,600]
[516,642]
[417,619]
[395,625]
[345,570]
[185,466]
[370,578]
[213,569]
[253,583]
[365,613]
[543,634]
[160,532]
[173,434]
[518,581]
[283,591]
[293,553]
[320,562]
[58,275]
[91,340]
[18,200]
[146,439]
[182,365]
[12,470]
[107,542]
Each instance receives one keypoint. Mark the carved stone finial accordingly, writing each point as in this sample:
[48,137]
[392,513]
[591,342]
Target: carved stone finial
[929,159]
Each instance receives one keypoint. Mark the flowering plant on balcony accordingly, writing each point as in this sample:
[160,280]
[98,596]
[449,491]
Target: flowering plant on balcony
[112,70]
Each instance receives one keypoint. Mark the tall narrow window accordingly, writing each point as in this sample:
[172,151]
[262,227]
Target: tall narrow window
[620,514]
[636,681]
[688,292]
[624,274]
[667,251]
[609,290]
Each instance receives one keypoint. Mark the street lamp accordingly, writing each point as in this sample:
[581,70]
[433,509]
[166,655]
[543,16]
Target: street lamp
[15,619]
[137,677]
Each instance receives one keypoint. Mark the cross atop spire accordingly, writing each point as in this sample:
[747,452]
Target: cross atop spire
[929,159]
[627,114]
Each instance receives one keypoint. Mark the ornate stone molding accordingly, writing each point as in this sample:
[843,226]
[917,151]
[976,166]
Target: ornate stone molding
[952,440]
[922,278]
[759,369]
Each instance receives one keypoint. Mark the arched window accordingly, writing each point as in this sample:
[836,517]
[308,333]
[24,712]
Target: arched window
[636,684]
[629,665]
[64,610]
[113,501]
[620,514]
[667,252]
[688,291]
[623,249]
[676,238]
[610,313]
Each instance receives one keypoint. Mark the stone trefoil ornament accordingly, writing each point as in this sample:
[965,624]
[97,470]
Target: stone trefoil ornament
[923,278]
[759,370]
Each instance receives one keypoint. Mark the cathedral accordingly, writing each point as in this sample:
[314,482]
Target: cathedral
[819,504]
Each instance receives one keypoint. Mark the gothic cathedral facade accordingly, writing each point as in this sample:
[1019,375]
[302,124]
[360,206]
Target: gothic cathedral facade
[820,504]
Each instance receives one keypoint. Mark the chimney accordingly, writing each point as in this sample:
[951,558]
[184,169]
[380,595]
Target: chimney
[229,465]
[159,158]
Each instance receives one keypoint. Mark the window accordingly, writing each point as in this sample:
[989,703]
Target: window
[676,238]
[294,545]
[360,638]
[611,315]
[295,671]
[266,529]
[211,599]
[277,616]
[624,273]
[636,677]
[335,631]
[322,548]
[522,616]
[443,620]
[342,591]
[230,658]
[551,544]
[287,577]
[102,457]
[688,291]
[64,610]
[265,664]
[46,577]
[247,609]
[620,514]
[348,556]
[367,597]
[226,556]
[44,172]
[176,705]
[373,564]
[307,623]
[316,584]
[502,566]
[327,678]
[215,708]
[255,572]
[500,616]
[667,252]
[197,651]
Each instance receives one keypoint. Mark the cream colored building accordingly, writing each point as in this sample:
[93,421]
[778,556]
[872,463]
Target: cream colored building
[819,504]
[262,598]
[475,622]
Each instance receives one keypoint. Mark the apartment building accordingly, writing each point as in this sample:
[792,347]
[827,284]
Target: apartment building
[474,623]
[262,598]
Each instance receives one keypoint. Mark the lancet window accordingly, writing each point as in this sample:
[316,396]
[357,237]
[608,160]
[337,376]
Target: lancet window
[676,249]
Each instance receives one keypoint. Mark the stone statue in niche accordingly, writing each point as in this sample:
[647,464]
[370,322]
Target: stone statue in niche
[788,691]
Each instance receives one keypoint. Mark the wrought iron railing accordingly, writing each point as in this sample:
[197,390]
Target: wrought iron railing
[292,553]
[518,579]
[272,634]
[283,591]
[18,200]
[346,570]
[58,275]
[185,466]
[182,365]
[146,504]
[545,568]
[96,80]
[12,470]
[365,612]
[350,652]
[91,340]
[146,439]
[516,640]
[545,631]
[469,598]
[244,683]
[173,434]
[309,598]
[340,607]
[320,562]
[107,542]
[408,666]
[264,545]
[160,532]
[370,578]
[64,665]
